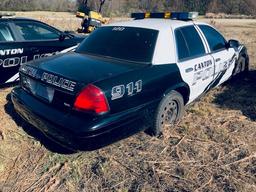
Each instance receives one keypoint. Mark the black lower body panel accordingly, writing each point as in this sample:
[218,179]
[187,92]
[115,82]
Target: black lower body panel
[77,132]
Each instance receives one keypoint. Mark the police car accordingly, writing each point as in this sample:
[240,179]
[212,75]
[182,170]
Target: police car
[136,74]
[23,40]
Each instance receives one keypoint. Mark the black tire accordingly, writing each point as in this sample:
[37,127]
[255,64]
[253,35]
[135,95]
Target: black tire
[246,68]
[241,67]
[169,111]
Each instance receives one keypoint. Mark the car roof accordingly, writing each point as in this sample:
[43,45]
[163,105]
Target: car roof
[155,24]
[6,19]
[18,19]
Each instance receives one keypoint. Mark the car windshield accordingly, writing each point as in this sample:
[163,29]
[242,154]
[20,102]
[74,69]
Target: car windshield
[124,43]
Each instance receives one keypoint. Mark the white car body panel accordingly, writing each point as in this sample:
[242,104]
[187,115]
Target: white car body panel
[222,62]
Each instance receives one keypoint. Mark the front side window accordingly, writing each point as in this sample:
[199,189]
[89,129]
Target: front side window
[36,31]
[5,33]
[189,43]
[215,40]
[125,43]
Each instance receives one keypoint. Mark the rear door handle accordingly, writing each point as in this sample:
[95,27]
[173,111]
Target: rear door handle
[189,70]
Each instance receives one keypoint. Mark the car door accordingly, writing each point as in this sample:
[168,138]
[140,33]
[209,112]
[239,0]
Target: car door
[195,64]
[12,54]
[224,58]
[42,39]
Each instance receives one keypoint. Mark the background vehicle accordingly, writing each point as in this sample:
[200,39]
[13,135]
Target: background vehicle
[23,40]
[91,19]
[127,75]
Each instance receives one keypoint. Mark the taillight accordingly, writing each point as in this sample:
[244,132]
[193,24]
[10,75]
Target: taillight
[92,99]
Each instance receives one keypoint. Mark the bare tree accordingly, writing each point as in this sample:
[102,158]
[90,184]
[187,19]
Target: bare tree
[125,7]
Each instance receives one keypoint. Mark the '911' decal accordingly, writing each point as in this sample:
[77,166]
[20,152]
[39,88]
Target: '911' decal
[130,89]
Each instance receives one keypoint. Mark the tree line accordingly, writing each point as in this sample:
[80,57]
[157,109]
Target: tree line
[124,7]
[37,5]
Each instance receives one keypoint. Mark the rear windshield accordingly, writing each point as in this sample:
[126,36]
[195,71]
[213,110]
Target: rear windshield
[125,43]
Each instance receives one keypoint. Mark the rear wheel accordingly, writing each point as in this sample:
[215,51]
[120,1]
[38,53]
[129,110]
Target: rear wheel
[169,111]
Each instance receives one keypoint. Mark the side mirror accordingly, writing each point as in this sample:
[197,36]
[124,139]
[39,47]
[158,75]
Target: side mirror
[62,37]
[233,43]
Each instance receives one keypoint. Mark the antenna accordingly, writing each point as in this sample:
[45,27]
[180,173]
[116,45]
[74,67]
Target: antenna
[101,4]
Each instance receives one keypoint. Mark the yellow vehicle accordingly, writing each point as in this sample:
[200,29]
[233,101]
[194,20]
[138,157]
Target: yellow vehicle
[91,19]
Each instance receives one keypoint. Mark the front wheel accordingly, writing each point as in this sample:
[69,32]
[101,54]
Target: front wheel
[241,67]
[169,111]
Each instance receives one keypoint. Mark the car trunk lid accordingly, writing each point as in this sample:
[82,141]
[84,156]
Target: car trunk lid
[59,79]
[84,68]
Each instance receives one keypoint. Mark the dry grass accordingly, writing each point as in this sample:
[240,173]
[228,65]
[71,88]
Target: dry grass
[212,149]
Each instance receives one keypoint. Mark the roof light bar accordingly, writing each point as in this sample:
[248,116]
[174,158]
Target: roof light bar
[166,15]
[7,14]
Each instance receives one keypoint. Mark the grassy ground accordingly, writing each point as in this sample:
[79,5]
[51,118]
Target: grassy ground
[212,149]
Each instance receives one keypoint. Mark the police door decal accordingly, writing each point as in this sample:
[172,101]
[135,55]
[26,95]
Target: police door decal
[198,73]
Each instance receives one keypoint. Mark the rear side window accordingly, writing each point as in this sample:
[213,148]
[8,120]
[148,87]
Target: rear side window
[125,43]
[189,43]
[5,33]
[215,40]
[182,47]
[36,31]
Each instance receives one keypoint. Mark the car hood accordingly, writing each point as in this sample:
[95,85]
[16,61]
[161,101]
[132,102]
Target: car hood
[84,68]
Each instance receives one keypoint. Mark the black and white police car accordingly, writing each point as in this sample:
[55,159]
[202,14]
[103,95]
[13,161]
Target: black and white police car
[138,73]
[23,40]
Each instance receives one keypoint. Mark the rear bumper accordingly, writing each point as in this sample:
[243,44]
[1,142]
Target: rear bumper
[76,131]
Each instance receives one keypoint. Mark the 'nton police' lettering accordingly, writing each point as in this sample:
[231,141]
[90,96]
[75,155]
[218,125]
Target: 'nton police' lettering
[16,61]
[11,51]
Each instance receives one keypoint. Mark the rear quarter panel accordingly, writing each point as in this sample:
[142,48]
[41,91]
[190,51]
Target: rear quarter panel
[156,81]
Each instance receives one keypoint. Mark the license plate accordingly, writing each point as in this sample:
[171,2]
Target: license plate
[40,90]
[45,92]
